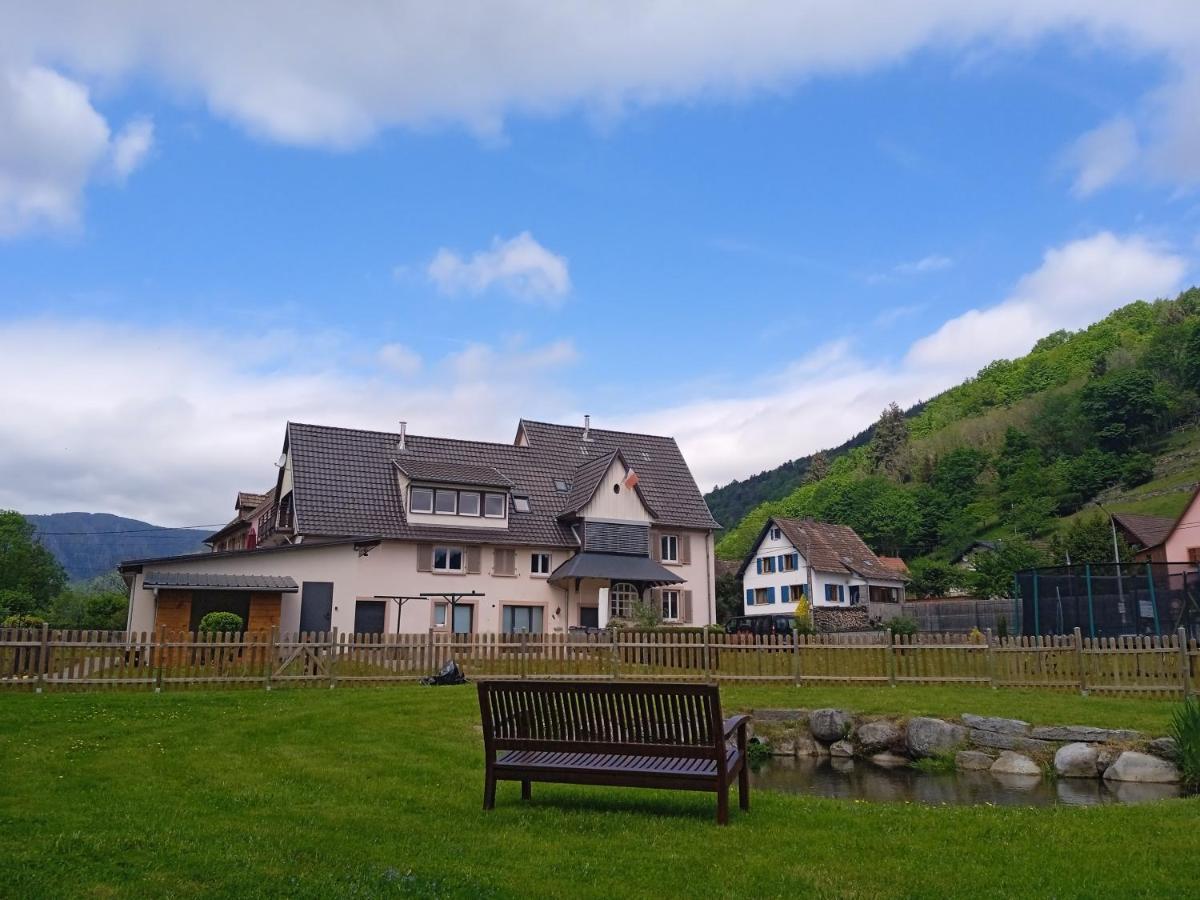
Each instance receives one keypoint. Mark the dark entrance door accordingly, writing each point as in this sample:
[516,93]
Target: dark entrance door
[368,617]
[589,616]
[316,605]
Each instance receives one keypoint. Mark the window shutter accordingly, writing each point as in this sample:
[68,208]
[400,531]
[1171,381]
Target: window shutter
[473,555]
[795,560]
[770,595]
[656,546]
[685,549]
[498,561]
[784,595]
[685,612]
[758,565]
[424,557]
[749,596]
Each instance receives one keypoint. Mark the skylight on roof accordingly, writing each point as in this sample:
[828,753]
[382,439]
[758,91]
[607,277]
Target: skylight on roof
[562,487]
[521,504]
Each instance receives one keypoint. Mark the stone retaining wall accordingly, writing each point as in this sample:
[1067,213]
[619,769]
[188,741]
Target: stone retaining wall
[1007,747]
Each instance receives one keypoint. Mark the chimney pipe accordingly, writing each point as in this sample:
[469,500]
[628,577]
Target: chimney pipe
[587,427]
[403,436]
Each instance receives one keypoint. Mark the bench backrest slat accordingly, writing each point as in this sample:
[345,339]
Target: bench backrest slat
[658,719]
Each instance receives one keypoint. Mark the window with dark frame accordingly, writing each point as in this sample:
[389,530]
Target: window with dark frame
[521,504]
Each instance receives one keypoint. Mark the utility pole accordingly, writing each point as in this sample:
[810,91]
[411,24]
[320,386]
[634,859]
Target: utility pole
[1116,558]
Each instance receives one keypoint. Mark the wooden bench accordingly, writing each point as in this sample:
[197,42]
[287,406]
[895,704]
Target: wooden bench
[625,734]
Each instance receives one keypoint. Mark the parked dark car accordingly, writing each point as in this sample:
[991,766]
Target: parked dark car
[768,624]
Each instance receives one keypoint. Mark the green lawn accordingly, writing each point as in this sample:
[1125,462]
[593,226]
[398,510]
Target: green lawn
[361,792]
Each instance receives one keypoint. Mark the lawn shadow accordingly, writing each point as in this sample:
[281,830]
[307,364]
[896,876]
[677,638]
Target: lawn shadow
[546,796]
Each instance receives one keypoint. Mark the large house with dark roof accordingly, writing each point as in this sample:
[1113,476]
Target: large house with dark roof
[564,527]
[824,565]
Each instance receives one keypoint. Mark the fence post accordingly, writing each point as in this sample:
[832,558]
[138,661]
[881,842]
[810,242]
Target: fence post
[704,655]
[429,652]
[796,657]
[43,659]
[614,661]
[333,657]
[159,657]
[1083,688]
[891,657]
[991,659]
[1185,667]
[272,657]
[523,654]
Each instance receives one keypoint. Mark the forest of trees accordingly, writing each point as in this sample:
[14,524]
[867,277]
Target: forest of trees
[1011,451]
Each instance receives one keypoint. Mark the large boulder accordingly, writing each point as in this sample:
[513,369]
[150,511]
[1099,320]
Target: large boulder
[882,735]
[1010,763]
[972,761]
[1086,733]
[1142,768]
[929,737]
[829,725]
[1000,740]
[1078,760]
[1164,748]
[992,723]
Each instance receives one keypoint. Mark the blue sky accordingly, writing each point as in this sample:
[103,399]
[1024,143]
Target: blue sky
[753,248]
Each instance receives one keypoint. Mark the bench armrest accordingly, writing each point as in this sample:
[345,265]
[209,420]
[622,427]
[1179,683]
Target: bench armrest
[735,723]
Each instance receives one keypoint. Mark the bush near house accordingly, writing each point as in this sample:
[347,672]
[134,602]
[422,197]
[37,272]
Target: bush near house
[221,623]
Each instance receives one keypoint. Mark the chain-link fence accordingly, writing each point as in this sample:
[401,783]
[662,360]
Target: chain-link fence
[1111,600]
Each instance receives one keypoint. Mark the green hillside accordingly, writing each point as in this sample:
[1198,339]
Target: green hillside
[1020,451]
[91,544]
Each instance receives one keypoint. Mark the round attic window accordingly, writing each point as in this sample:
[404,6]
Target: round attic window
[616,489]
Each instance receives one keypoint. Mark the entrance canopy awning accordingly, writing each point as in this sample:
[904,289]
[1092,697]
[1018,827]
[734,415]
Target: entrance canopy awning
[216,581]
[615,567]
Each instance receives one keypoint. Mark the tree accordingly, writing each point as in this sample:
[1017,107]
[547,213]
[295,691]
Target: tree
[888,443]
[99,604]
[818,467]
[729,596]
[933,577]
[994,570]
[1089,539]
[1125,408]
[30,576]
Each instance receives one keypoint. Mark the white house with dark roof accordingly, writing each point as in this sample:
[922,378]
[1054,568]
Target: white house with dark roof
[563,527]
[827,565]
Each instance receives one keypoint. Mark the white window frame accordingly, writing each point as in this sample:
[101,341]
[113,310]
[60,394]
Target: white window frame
[621,598]
[444,609]
[412,506]
[444,492]
[478,503]
[539,564]
[449,550]
[670,606]
[668,547]
[503,505]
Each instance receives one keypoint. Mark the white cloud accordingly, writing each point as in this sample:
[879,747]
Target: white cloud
[799,411]
[482,362]
[323,76]
[165,425]
[131,146]
[400,359]
[933,263]
[52,141]
[1102,155]
[519,266]
[1075,285]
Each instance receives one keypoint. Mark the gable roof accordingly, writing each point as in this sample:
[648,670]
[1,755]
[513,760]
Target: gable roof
[895,563]
[1149,531]
[828,548]
[345,481]
[452,473]
[588,478]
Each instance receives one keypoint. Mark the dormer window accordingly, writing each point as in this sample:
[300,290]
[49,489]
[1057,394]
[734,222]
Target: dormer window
[420,500]
[521,504]
[468,503]
[493,506]
[445,502]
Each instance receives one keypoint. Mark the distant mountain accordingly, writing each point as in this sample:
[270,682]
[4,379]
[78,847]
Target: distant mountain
[90,544]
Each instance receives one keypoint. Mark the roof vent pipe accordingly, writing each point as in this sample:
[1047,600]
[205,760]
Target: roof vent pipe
[403,436]
[587,427]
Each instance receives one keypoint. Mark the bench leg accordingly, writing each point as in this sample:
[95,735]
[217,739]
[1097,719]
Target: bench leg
[723,805]
[526,793]
[744,787]
[489,790]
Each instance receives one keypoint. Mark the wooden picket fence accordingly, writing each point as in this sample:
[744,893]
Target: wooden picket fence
[41,660]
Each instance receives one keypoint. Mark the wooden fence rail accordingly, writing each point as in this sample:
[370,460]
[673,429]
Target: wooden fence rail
[44,659]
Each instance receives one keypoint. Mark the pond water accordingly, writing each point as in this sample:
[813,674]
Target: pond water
[846,779]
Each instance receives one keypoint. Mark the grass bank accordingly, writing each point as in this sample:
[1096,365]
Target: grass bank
[317,793]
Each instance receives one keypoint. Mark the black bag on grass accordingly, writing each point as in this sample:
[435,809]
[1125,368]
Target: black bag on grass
[450,673]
